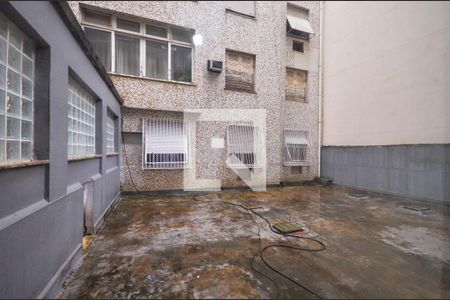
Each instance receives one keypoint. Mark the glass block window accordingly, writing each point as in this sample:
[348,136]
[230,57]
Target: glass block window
[81,137]
[110,148]
[16,93]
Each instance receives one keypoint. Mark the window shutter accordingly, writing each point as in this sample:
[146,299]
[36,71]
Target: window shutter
[296,85]
[242,7]
[239,71]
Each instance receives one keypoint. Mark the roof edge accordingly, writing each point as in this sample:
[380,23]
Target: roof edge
[64,10]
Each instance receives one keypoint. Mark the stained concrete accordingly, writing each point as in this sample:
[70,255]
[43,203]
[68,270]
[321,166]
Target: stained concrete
[169,246]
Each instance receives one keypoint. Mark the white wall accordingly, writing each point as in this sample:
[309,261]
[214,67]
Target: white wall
[386,73]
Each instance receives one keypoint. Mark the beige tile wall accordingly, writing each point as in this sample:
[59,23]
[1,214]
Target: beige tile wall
[264,36]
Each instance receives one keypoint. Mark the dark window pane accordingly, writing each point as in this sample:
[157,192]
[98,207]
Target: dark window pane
[127,55]
[181,63]
[297,46]
[128,25]
[101,42]
[156,31]
[156,60]
[182,35]
[97,18]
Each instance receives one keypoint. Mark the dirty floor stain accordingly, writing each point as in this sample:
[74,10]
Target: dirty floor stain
[175,247]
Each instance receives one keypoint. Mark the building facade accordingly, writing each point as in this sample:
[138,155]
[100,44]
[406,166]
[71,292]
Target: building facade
[59,145]
[267,57]
[386,97]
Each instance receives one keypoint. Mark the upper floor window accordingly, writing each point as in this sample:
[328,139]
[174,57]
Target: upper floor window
[140,49]
[110,134]
[297,23]
[239,71]
[17,54]
[242,7]
[81,122]
[298,46]
[165,144]
[296,81]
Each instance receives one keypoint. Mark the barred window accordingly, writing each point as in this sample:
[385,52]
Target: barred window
[239,71]
[244,145]
[110,135]
[81,118]
[296,85]
[16,93]
[296,147]
[166,144]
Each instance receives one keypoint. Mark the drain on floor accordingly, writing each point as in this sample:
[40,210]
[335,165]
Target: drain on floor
[284,226]
[357,196]
[417,208]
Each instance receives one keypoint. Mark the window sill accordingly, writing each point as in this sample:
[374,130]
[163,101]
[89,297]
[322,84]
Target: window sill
[238,90]
[85,157]
[112,154]
[299,100]
[153,79]
[230,11]
[22,164]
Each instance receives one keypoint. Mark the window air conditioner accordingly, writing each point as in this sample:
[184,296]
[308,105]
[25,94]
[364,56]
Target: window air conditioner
[215,66]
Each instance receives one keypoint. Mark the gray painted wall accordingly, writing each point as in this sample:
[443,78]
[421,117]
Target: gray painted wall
[41,207]
[418,171]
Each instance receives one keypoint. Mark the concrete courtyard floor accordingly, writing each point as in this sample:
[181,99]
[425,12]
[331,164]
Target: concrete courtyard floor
[174,247]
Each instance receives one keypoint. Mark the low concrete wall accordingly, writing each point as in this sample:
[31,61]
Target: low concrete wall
[418,171]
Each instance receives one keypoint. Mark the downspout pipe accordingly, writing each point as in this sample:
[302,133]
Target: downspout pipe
[321,22]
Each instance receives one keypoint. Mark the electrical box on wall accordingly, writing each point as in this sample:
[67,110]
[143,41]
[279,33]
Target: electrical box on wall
[215,66]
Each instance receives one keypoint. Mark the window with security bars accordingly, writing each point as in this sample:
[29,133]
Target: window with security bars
[296,147]
[16,93]
[296,84]
[110,135]
[239,71]
[81,118]
[165,144]
[244,145]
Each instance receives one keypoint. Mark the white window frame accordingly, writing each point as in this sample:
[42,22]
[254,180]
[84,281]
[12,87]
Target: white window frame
[86,105]
[293,155]
[20,95]
[142,44]
[163,164]
[238,145]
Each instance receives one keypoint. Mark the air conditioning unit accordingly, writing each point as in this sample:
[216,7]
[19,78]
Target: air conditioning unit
[215,66]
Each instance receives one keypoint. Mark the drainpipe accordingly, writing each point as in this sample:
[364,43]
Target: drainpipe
[321,22]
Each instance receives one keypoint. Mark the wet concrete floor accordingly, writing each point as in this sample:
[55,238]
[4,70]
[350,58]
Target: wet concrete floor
[174,247]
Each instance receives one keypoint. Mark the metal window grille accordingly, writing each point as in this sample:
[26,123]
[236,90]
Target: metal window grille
[296,147]
[110,147]
[81,122]
[16,93]
[244,145]
[166,144]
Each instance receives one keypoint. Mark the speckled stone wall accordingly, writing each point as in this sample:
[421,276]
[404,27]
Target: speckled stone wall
[265,37]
